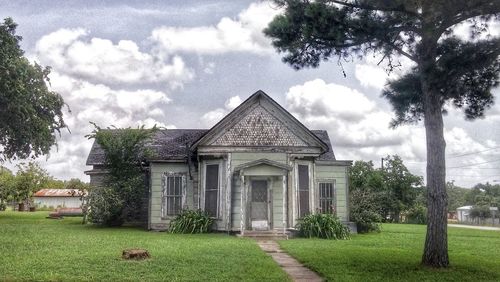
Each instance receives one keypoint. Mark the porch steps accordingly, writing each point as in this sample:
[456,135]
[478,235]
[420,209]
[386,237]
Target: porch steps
[265,235]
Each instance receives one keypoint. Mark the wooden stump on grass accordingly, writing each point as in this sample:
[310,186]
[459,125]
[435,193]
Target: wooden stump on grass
[137,254]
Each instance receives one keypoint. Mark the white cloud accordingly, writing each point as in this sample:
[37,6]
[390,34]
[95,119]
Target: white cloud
[316,97]
[241,35]
[73,52]
[212,117]
[360,131]
[371,76]
[104,106]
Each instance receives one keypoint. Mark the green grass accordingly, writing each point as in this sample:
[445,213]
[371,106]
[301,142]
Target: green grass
[35,248]
[394,255]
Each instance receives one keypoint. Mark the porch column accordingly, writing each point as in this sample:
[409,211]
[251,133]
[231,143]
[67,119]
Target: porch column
[229,177]
[242,210]
[284,201]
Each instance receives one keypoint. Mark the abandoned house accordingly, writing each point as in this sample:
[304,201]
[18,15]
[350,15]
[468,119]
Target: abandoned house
[258,168]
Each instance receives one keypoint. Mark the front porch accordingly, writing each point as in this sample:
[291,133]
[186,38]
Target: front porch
[263,198]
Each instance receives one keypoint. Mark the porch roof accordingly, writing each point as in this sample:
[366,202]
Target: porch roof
[260,162]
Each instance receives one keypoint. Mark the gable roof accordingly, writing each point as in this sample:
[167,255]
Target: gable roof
[170,145]
[261,115]
[173,144]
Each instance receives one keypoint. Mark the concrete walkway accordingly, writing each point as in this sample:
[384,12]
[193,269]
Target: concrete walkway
[291,266]
[475,227]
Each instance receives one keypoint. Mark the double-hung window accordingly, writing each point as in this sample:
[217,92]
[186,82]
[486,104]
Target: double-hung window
[212,189]
[303,186]
[173,191]
[326,191]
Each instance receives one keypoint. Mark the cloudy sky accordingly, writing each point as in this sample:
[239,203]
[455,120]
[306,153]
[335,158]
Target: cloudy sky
[185,64]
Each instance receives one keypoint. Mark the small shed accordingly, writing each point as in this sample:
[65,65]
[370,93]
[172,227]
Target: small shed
[463,214]
[67,198]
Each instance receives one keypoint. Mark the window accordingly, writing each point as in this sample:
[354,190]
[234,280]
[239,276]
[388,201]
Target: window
[327,197]
[212,189]
[303,190]
[172,194]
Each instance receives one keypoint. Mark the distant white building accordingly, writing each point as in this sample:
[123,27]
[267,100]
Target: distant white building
[68,198]
[463,214]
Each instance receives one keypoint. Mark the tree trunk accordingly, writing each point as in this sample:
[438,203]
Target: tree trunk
[436,241]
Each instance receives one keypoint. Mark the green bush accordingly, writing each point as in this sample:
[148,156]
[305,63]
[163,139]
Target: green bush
[326,226]
[417,215]
[3,206]
[191,221]
[366,221]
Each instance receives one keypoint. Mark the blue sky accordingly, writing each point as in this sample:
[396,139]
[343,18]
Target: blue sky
[185,64]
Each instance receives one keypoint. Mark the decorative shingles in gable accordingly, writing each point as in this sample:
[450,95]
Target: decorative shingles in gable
[259,128]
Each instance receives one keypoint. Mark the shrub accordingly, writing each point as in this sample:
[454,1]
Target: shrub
[417,215]
[105,207]
[3,206]
[191,221]
[326,226]
[366,221]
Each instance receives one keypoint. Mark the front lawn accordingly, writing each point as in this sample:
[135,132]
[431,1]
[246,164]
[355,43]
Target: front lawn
[394,255]
[35,248]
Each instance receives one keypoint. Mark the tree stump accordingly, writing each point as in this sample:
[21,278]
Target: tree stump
[137,254]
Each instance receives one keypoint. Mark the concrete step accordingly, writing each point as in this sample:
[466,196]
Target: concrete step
[265,235]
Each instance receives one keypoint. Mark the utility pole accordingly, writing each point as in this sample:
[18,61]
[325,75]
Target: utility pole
[382,162]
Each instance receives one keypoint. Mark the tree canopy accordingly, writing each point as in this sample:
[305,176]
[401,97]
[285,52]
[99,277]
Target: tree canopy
[30,114]
[444,68]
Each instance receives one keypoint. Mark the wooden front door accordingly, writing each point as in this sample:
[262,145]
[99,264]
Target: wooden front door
[259,206]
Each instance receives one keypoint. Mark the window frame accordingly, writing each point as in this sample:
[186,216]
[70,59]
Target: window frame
[334,193]
[219,186]
[298,190]
[164,196]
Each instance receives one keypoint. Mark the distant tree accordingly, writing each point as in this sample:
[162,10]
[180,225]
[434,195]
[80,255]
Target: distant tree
[444,70]
[456,196]
[30,177]
[76,184]
[30,114]
[401,185]
[366,196]
[6,186]
[53,183]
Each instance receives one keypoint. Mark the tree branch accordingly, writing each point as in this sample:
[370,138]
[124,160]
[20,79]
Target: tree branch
[357,5]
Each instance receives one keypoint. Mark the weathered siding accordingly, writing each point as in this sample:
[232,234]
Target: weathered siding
[339,175]
[67,202]
[156,221]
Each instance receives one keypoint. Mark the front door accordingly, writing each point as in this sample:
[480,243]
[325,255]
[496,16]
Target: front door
[259,205]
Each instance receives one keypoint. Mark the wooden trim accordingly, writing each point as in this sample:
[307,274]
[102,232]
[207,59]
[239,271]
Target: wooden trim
[333,163]
[229,177]
[242,210]
[165,174]
[284,192]
[261,162]
[205,163]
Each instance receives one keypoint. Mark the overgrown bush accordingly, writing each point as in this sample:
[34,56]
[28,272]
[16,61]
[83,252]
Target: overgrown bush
[105,207]
[3,206]
[365,210]
[326,226]
[366,221]
[121,198]
[417,215]
[191,221]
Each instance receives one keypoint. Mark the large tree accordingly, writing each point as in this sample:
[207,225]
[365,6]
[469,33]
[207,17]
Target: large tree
[445,67]
[30,114]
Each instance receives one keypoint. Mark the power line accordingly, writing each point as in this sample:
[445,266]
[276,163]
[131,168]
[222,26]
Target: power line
[474,164]
[472,153]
